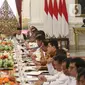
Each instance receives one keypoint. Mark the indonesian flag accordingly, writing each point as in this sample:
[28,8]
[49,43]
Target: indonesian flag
[55,19]
[65,30]
[46,16]
[50,18]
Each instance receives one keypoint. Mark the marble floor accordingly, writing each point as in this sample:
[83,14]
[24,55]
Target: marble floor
[77,53]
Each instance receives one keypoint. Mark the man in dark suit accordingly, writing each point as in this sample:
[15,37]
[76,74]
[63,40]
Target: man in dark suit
[83,23]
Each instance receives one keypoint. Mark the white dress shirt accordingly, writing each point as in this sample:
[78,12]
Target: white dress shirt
[62,80]
[51,69]
[58,78]
[20,37]
[54,74]
[72,81]
[38,54]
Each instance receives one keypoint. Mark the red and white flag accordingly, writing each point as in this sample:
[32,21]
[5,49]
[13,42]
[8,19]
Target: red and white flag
[55,19]
[50,18]
[65,30]
[46,16]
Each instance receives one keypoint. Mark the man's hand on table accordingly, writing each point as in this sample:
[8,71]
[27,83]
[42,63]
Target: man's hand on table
[42,78]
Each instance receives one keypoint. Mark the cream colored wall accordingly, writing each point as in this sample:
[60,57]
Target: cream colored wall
[37,13]
[25,13]
[34,12]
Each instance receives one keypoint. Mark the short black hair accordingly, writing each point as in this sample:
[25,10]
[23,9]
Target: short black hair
[34,29]
[61,51]
[80,69]
[67,61]
[40,37]
[54,42]
[84,21]
[59,58]
[46,41]
[41,32]
[78,62]
[82,73]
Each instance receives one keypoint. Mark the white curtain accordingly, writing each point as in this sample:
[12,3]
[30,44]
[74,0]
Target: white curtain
[12,4]
[1,2]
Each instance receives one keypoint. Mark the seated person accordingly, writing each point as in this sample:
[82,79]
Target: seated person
[81,77]
[52,45]
[75,64]
[63,79]
[32,33]
[55,67]
[83,23]
[44,56]
[48,49]
[41,54]
[38,41]
[37,54]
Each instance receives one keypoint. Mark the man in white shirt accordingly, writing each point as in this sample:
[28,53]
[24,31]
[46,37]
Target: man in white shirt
[56,73]
[81,77]
[63,78]
[69,79]
[74,65]
[39,40]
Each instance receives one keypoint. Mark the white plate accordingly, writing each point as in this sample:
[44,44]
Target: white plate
[32,78]
[35,73]
[31,64]
[30,68]
[18,79]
